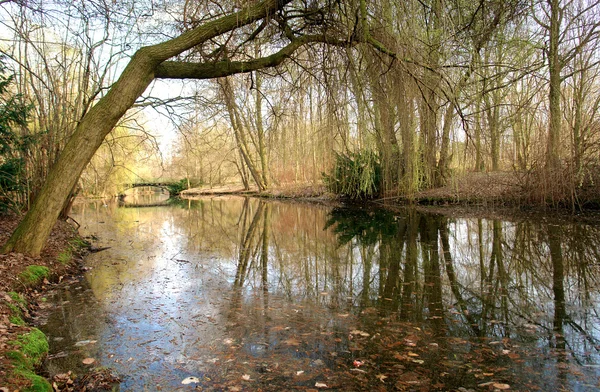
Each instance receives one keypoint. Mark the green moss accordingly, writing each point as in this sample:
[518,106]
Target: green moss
[31,349]
[79,242]
[33,345]
[38,383]
[33,274]
[18,298]
[17,314]
[65,256]
[16,320]
[14,309]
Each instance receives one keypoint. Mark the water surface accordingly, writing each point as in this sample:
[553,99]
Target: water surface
[244,294]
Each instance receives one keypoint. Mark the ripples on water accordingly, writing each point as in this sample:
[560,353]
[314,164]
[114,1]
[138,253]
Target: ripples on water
[244,294]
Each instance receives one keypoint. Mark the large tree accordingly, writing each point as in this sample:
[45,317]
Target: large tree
[293,30]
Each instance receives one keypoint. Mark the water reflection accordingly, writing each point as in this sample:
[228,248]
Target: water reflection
[289,295]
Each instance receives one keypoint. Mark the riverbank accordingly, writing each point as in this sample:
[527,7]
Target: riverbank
[23,281]
[481,190]
[498,188]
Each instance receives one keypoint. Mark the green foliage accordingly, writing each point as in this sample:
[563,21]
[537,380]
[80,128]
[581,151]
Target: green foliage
[368,227]
[355,175]
[33,274]
[13,147]
[176,188]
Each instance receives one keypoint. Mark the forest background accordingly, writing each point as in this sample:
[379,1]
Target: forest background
[443,90]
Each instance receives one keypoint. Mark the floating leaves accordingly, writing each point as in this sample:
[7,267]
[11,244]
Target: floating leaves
[88,361]
[357,332]
[496,385]
[190,380]
[84,343]
[291,342]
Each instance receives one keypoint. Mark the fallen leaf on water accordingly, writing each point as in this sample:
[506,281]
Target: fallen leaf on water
[320,385]
[88,361]
[84,343]
[501,386]
[190,380]
[291,342]
[360,333]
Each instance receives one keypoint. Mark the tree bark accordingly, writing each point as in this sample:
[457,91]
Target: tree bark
[33,231]
[554,68]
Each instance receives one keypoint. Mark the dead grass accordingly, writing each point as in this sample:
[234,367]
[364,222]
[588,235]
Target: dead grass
[473,188]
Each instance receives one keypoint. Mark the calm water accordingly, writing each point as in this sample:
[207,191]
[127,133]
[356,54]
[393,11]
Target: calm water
[243,294]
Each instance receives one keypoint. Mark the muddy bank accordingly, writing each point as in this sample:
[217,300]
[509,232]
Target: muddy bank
[23,282]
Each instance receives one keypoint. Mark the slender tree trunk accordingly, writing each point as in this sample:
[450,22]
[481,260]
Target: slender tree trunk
[262,151]
[443,167]
[554,68]
[239,131]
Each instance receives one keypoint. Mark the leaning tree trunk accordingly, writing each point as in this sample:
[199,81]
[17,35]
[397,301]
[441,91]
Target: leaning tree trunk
[33,231]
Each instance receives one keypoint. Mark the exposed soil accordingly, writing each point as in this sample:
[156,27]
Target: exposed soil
[11,265]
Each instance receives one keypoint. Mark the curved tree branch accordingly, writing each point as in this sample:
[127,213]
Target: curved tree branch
[188,70]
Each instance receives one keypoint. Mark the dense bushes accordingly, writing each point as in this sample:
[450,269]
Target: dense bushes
[355,175]
[13,147]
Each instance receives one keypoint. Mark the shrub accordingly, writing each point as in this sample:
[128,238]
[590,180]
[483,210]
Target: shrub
[355,175]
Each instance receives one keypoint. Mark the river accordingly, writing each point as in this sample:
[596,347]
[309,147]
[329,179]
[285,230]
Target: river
[232,294]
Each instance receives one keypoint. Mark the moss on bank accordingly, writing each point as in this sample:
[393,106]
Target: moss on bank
[34,274]
[30,349]
[23,278]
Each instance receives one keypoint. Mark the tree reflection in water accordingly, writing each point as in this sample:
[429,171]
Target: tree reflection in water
[298,293]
